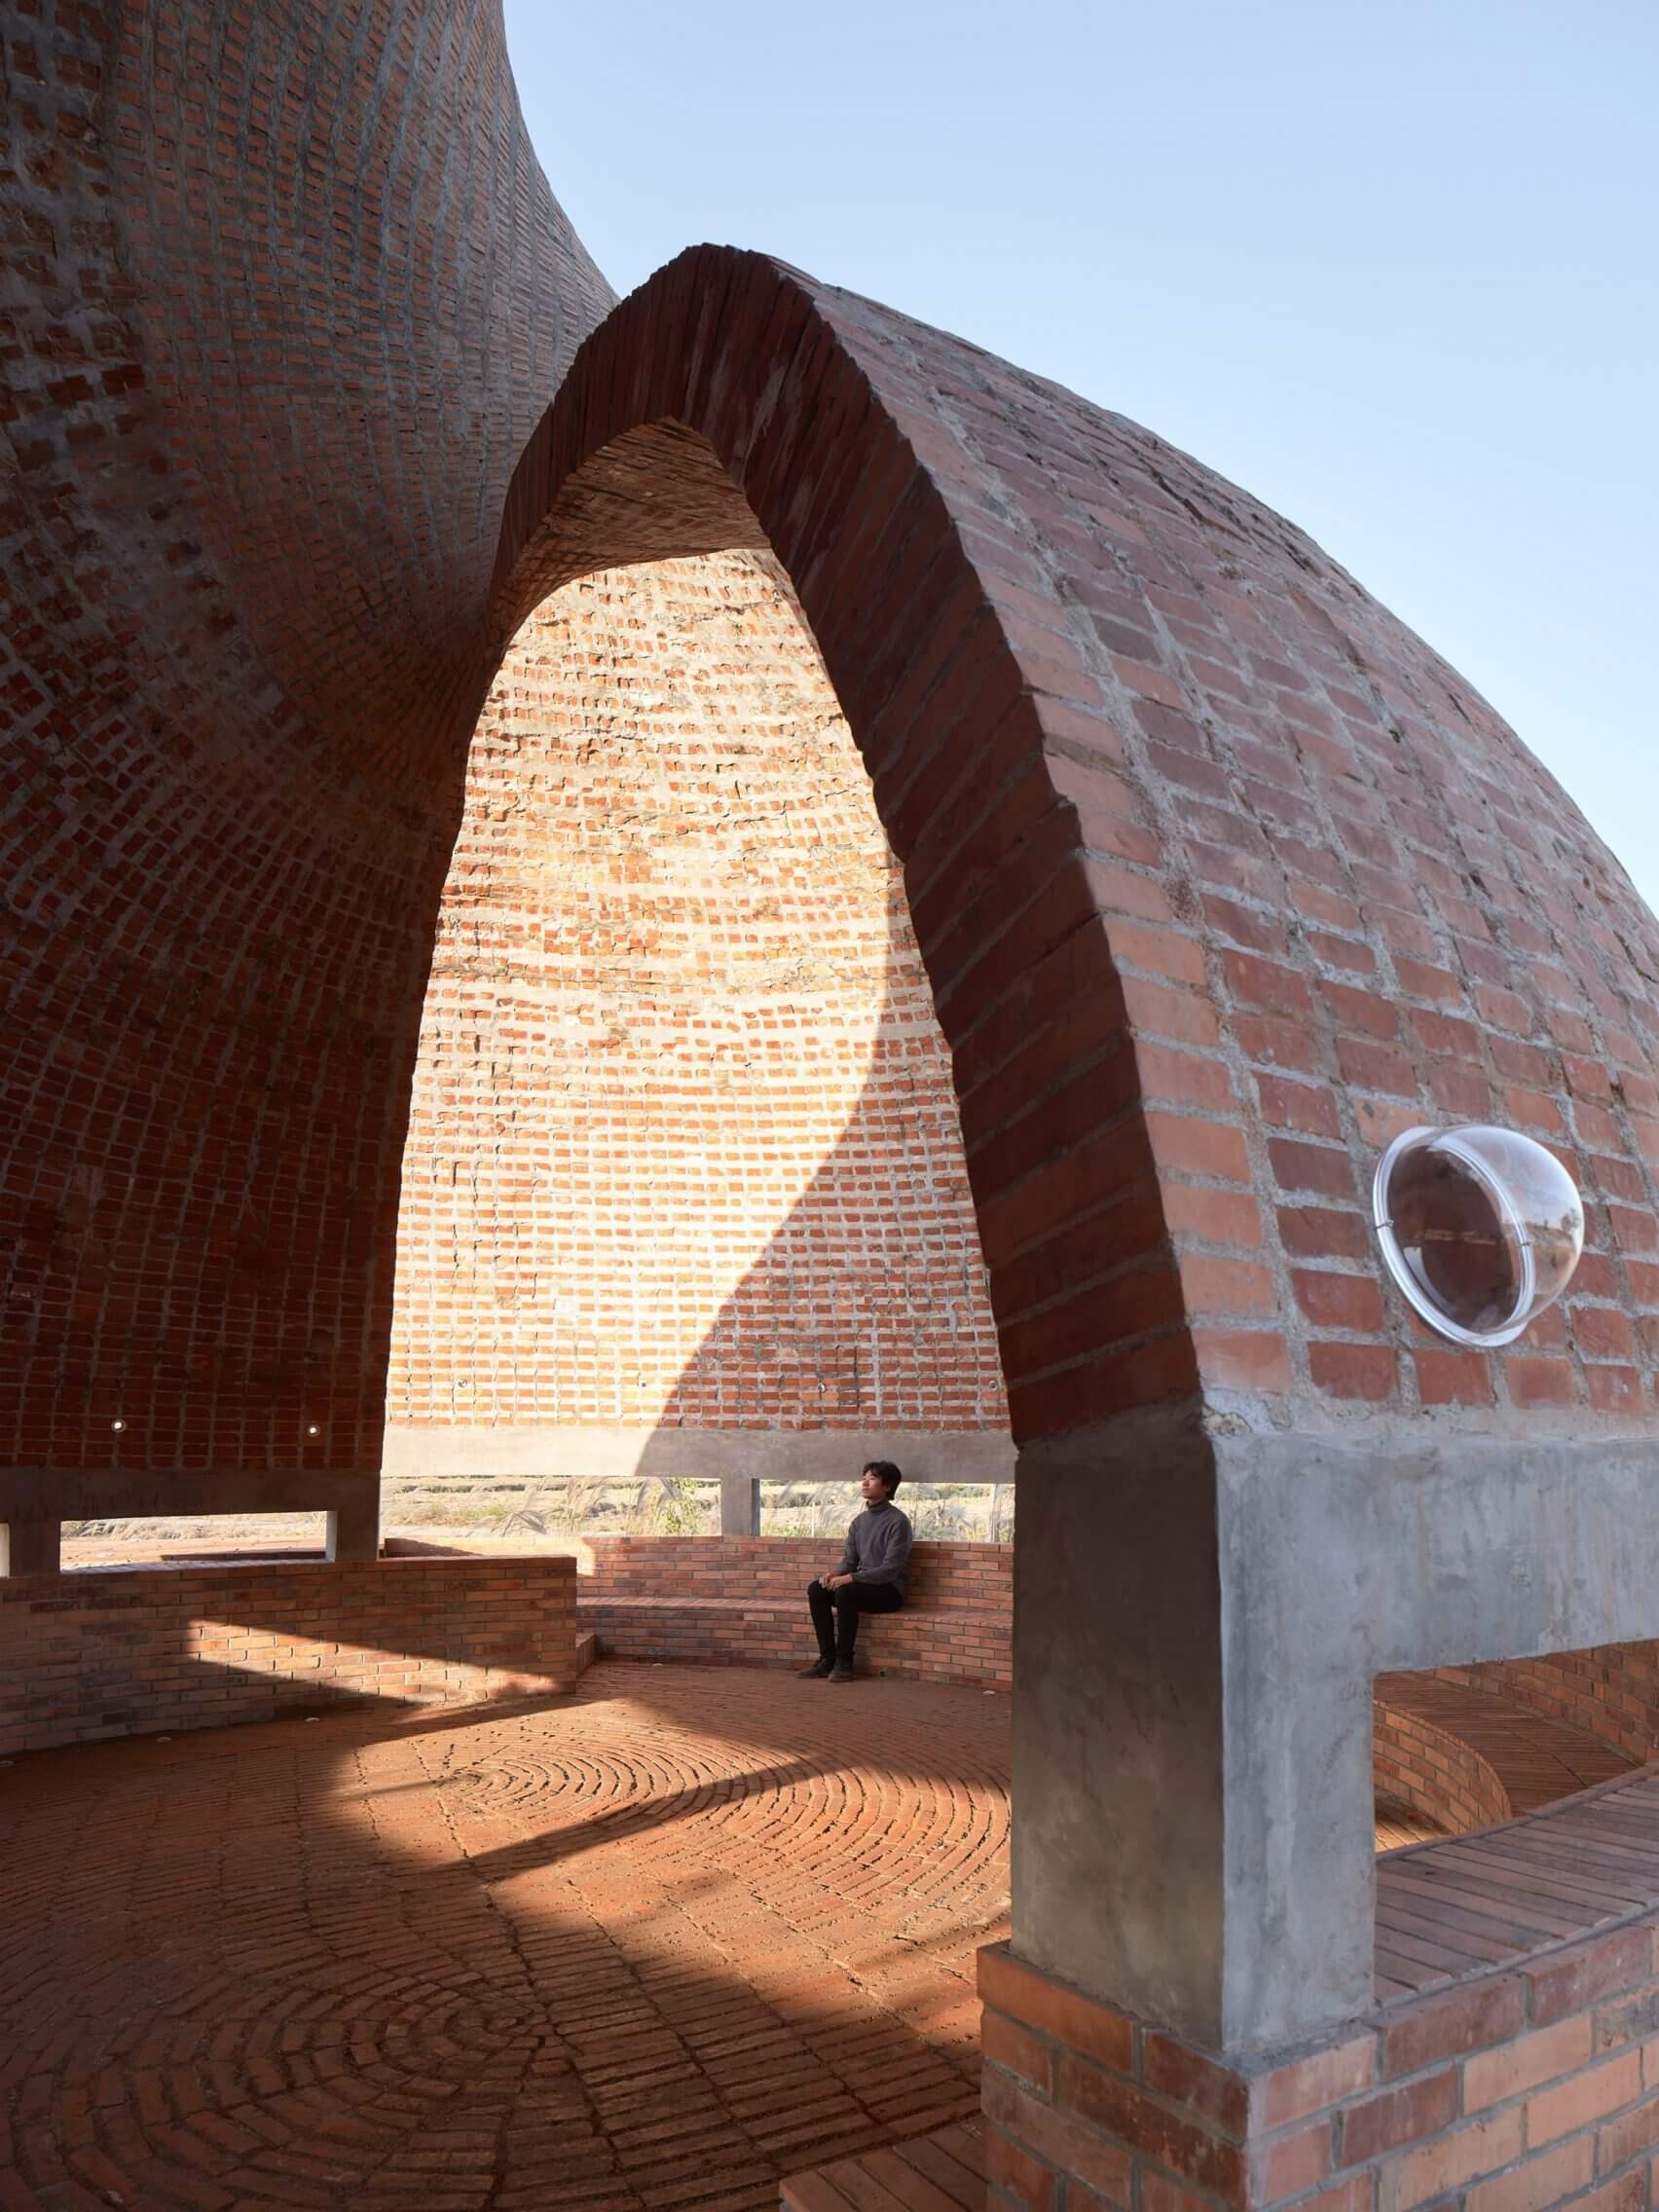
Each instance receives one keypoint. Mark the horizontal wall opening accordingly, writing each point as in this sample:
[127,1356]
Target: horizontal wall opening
[177,1539]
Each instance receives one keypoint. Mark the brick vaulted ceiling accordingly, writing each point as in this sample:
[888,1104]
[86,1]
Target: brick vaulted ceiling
[1219,876]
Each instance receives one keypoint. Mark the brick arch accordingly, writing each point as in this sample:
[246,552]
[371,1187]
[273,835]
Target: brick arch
[723,406]
[1221,876]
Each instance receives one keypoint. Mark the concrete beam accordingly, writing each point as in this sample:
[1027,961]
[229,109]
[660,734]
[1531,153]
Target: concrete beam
[740,1505]
[125,1493]
[1199,1614]
[617,1454]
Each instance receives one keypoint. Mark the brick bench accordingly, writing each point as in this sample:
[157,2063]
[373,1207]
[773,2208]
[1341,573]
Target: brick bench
[1467,1758]
[742,1602]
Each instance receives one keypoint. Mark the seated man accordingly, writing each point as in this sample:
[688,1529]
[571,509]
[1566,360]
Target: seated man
[870,1578]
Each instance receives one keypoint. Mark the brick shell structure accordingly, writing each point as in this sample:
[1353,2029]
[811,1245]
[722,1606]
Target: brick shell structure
[684,1148]
[244,563]
[1221,878]
[129,1652]
[1217,876]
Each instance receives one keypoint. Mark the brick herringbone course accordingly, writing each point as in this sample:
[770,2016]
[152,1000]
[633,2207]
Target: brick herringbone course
[654,1946]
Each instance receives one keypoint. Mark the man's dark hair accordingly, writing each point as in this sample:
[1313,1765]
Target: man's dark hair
[885,1472]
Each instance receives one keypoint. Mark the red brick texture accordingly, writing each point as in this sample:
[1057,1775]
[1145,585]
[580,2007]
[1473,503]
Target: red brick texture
[1524,2092]
[1454,1747]
[684,1148]
[1610,1692]
[741,1602]
[634,1950]
[1423,1763]
[1219,876]
[285,291]
[130,1652]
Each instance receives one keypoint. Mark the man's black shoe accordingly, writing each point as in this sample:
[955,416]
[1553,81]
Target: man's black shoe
[840,1674]
[818,1672]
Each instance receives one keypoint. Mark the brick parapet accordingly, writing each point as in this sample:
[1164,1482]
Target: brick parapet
[1517,2091]
[742,1602]
[93,1655]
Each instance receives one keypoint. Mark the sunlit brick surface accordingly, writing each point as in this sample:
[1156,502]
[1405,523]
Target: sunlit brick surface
[134,1652]
[683,1144]
[635,1950]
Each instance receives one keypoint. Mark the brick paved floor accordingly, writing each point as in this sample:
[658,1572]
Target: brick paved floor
[652,1946]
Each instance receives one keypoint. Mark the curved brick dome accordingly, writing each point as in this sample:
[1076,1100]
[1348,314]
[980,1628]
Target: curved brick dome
[1220,875]
[284,293]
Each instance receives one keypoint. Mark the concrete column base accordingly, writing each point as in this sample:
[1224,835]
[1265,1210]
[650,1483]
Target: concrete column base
[34,1546]
[740,1505]
[354,1530]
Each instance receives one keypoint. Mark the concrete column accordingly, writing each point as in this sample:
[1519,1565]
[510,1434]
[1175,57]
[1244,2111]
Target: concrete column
[1193,1835]
[354,1530]
[31,1547]
[740,1505]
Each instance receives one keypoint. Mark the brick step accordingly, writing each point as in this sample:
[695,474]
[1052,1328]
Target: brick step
[940,2172]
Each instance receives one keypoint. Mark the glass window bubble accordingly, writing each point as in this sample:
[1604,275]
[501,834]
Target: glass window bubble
[1481,1228]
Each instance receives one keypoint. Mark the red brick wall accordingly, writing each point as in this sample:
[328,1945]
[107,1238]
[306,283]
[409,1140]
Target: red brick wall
[1612,1691]
[1517,2092]
[1428,1769]
[683,1149]
[121,1653]
[284,291]
[736,1600]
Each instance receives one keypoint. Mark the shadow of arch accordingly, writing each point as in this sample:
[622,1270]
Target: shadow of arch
[883,1243]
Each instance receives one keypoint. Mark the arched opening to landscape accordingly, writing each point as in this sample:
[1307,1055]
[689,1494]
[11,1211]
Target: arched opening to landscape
[683,1191]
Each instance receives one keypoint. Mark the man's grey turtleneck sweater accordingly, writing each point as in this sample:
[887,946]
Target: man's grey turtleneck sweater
[878,1546]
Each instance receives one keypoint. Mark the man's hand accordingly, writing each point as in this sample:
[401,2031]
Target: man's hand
[832,1581]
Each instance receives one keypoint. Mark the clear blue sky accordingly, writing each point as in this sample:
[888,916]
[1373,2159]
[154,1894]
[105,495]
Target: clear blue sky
[1390,264]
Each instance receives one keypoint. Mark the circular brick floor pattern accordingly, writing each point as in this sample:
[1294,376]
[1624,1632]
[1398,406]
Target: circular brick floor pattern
[649,1947]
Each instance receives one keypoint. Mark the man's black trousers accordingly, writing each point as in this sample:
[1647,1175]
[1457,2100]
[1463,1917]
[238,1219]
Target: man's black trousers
[836,1614]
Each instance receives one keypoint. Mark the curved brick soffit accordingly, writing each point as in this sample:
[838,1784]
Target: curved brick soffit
[1220,875]
[285,292]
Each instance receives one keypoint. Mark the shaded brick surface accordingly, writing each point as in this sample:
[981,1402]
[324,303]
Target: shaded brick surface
[262,396]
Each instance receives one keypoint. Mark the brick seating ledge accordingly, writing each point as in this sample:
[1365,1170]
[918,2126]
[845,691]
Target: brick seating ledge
[739,1601]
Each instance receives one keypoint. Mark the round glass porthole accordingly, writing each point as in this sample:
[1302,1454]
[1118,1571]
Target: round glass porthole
[1482,1228]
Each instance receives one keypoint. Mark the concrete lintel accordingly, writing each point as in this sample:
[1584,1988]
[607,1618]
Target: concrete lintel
[619,1453]
[1443,1549]
[1200,1610]
[129,1493]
